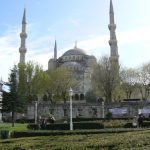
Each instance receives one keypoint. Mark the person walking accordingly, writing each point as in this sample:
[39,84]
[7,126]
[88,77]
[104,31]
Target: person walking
[140,120]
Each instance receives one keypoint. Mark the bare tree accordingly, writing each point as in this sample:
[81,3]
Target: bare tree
[144,80]
[105,78]
[128,81]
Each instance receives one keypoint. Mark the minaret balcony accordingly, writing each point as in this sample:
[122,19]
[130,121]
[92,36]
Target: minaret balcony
[23,35]
[112,41]
[112,26]
[22,50]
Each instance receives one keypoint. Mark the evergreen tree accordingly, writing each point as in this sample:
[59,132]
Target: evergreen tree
[11,101]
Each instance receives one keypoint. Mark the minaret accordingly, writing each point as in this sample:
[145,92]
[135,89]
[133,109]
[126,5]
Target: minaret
[75,46]
[55,51]
[113,41]
[23,36]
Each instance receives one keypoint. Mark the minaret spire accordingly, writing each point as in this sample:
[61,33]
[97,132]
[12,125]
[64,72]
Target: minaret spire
[23,36]
[75,46]
[113,40]
[55,51]
[111,10]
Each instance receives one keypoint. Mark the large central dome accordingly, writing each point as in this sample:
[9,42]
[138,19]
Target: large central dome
[74,51]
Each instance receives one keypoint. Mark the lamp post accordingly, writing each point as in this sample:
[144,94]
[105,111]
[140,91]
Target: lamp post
[35,112]
[70,94]
[103,110]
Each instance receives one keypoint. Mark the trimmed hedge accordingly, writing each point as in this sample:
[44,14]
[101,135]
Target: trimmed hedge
[94,119]
[19,134]
[24,120]
[66,126]
[4,134]
[146,124]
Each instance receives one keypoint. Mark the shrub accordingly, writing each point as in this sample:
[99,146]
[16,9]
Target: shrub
[145,124]
[24,120]
[21,120]
[33,126]
[88,125]
[128,125]
[19,134]
[4,134]
[109,115]
[110,123]
[96,119]
[66,126]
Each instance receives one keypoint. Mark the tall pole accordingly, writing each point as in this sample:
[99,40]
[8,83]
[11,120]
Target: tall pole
[103,110]
[35,112]
[70,94]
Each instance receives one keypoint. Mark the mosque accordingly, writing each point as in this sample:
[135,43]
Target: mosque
[81,63]
[75,58]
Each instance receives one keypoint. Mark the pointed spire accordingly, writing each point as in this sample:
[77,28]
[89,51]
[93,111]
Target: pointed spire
[113,40]
[75,46]
[23,36]
[111,10]
[24,17]
[55,51]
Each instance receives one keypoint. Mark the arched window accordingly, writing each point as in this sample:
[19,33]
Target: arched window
[76,97]
[65,113]
[81,96]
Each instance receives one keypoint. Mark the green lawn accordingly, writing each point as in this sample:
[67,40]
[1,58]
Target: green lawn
[136,140]
[17,127]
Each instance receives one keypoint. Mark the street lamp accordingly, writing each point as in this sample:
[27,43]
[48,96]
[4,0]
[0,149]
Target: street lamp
[35,112]
[70,94]
[103,110]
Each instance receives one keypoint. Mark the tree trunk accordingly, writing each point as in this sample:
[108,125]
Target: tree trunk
[13,118]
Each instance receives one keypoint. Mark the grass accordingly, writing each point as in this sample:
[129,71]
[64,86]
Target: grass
[17,127]
[136,140]
[105,139]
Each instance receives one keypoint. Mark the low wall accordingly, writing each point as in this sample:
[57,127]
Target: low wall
[90,110]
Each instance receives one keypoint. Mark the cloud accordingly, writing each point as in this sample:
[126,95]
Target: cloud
[98,45]
[134,36]
[40,45]
[9,51]
[41,49]
[74,22]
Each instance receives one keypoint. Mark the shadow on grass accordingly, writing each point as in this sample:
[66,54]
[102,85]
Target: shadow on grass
[98,147]
[18,148]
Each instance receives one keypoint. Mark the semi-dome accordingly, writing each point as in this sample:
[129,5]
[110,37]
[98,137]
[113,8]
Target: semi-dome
[74,51]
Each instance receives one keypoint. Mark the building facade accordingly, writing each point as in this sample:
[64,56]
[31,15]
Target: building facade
[81,63]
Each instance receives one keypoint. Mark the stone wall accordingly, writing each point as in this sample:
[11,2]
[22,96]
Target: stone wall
[91,110]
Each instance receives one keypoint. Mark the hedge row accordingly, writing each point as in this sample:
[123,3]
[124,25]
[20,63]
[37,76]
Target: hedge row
[19,134]
[4,134]
[24,120]
[146,124]
[66,126]
[93,119]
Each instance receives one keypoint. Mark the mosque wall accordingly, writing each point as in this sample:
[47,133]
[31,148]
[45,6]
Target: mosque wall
[91,110]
